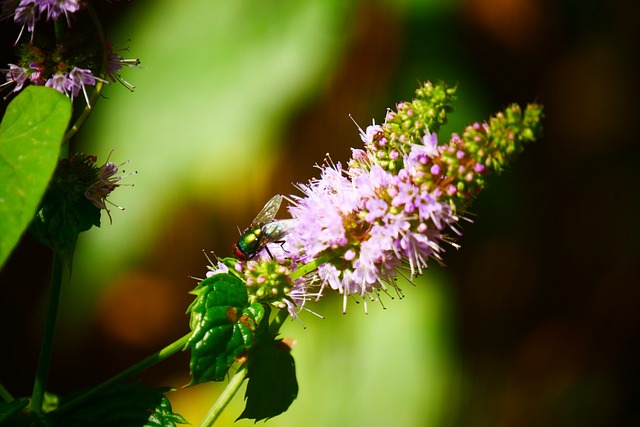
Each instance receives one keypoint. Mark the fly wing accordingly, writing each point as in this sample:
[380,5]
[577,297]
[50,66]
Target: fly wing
[276,230]
[268,212]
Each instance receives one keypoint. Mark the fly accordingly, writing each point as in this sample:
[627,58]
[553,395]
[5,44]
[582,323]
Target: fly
[264,229]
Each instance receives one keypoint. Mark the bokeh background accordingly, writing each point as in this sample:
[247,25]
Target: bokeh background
[532,322]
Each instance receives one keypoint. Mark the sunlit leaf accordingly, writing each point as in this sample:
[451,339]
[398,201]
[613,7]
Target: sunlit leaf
[223,325]
[30,136]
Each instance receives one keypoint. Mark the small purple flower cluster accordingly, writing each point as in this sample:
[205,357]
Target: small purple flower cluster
[106,180]
[365,223]
[68,66]
[69,83]
[28,12]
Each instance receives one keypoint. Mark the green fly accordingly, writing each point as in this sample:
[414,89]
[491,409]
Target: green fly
[264,229]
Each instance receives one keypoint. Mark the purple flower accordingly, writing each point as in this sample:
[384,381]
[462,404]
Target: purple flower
[365,224]
[420,154]
[55,8]
[29,11]
[60,82]
[116,62]
[15,74]
[26,14]
[106,180]
[320,214]
[36,74]
[80,78]
[371,133]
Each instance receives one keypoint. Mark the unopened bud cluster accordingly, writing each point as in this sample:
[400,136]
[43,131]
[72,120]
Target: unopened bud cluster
[267,280]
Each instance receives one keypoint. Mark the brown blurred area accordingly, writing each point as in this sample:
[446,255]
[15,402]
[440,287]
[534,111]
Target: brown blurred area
[546,282]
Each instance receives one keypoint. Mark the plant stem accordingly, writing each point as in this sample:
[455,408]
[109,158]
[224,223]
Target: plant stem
[59,28]
[99,83]
[85,113]
[308,268]
[132,370]
[227,394]
[44,360]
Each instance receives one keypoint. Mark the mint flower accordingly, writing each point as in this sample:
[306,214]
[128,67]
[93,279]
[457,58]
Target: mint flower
[80,78]
[60,82]
[15,74]
[394,207]
[106,180]
[116,62]
[56,8]
[29,11]
[73,82]
[399,202]
[72,64]
[367,223]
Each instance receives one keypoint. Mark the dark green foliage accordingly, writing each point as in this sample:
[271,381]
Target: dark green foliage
[124,405]
[272,383]
[7,409]
[164,416]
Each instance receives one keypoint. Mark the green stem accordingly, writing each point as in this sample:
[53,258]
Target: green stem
[103,69]
[308,268]
[44,360]
[135,369]
[59,29]
[227,394]
[5,395]
[234,385]
[85,113]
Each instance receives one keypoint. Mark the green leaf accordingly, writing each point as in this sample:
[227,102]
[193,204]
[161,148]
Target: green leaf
[272,385]
[9,408]
[164,416]
[223,325]
[30,136]
[124,405]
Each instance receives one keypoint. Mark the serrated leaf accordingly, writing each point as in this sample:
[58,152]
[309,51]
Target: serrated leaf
[9,408]
[30,136]
[164,416]
[223,325]
[124,405]
[272,385]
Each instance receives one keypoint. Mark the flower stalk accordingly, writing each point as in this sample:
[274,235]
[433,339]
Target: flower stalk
[144,364]
[44,360]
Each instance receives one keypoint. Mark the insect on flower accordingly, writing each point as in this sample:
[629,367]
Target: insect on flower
[264,229]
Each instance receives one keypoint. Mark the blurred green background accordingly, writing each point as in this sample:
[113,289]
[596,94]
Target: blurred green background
[532,322]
